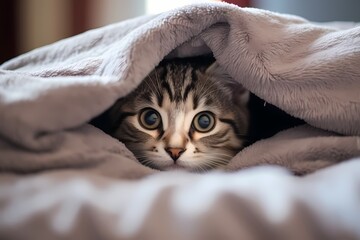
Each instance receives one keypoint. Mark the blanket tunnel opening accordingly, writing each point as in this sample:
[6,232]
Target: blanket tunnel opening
[265,120]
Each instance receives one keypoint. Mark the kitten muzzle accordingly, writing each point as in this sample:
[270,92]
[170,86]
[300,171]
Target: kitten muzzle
[175,153]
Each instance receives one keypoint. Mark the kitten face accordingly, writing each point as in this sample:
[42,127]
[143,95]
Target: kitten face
[182,116]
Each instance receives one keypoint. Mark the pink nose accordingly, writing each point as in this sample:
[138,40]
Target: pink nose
[175,152]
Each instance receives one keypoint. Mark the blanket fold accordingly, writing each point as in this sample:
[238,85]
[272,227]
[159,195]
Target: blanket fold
[310,71]
[61,177]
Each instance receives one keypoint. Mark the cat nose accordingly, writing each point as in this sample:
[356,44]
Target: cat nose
[175,152]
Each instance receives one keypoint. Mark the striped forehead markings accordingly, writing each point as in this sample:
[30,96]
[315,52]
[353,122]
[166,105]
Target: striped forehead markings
[190,85]
[178,88]
[167,88]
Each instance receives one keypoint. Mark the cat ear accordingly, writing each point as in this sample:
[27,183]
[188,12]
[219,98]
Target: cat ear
[240,94]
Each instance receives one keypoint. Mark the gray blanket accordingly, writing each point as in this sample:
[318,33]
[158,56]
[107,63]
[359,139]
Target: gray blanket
[312,72]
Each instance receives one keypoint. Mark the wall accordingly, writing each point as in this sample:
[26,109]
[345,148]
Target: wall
[28,24]
[42,22]
[108,11]
[315,10]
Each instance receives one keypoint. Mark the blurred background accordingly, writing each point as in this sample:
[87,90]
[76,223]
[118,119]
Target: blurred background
[28,24]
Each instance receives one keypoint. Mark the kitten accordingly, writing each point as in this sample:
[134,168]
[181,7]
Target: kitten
[186,114]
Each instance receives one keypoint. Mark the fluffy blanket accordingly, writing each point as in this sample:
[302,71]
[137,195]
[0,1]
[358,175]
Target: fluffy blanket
[48,96]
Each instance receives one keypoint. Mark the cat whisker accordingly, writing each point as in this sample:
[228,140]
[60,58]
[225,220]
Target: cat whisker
[223,154]
[144,159]
[217,161]
[156,85]
[200,169]
[209,84]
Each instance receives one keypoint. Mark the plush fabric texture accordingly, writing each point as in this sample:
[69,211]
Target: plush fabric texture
[48,96]
[257,203]
[310,71]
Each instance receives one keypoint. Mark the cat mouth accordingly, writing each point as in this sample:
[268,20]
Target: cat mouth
[174,167]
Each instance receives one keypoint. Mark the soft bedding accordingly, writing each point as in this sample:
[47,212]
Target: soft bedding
[257,203]
[62,177]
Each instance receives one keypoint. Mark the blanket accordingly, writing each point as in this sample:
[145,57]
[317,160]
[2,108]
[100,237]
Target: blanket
[256,203]
[49,95]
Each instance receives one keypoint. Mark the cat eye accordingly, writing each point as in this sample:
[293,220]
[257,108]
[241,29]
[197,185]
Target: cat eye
[149,119]
[204,122]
